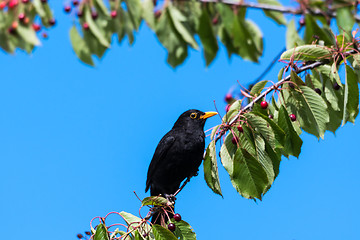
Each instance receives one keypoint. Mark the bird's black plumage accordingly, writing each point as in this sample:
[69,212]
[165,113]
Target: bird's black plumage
[178,154]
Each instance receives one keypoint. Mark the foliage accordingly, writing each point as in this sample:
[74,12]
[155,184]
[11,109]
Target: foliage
[138,228]
[318,101]
[320,92]
[19,22]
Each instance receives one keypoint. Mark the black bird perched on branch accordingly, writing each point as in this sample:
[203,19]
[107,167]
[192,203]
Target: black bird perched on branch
[177,156]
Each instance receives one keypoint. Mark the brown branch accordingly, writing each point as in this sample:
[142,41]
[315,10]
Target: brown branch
[291,10]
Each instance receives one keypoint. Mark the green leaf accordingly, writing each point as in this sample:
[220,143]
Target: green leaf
[101,232]
[248,176]
[260,125]
[132,221]
[178,19]
[312,28]
[6,44]
[134,10]
[256,34]
[258,87]
[293,142]
[98,33]
[334,74]
[170,38]
[94,45]
[276,16]
[101,6]
[281,74]
[213,132]
[292,37]
[80,47]
[332,95]
[233,111]
[39,7]
[28,34]
[311,110]
[184,231]
[244,39]
[307,53]
[351,96]
[296,79]
[279,133]
[162,233]
[154,200]
[148,13]
[316,110]
[356,64]
[227,152]
[345,20]
[207,37]
[211,173]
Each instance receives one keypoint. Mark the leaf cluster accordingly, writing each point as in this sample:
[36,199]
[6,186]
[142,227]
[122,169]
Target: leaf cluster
[19,23]
[137,228]
[318,99]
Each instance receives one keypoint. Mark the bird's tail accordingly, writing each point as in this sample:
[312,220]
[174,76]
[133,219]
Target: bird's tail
[163,216]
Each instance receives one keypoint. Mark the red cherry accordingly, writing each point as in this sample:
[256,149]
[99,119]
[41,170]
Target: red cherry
[264,104]
[318,91]
[271,116]
[94,15]
[113,14]
[293,117]
[215,21]
[177,217]
[80,236]
[45,35]
[13,3]
[302,22]
[12,30]
[2,5]
[67,8]
[171,227]
[79,13]
[21,17]
[25,1]
[228,97]
[75,2]
[85,26]
[240,128]
[234,140]
[52,22]
[36,27]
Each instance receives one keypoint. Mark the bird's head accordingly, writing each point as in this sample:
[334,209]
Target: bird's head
[193,118]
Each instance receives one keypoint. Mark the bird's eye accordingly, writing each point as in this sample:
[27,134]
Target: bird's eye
[193,115]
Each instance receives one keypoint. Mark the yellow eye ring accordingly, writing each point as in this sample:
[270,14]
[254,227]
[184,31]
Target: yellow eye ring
[193,115]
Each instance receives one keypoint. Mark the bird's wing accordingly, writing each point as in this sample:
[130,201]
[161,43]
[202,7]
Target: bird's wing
[162,148]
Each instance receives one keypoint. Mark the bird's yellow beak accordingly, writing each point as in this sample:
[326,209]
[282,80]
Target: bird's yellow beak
[208,114]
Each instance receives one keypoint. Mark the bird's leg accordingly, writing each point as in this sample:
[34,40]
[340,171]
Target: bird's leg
[170,197]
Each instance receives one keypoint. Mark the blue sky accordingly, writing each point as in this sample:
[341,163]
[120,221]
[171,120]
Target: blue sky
[76,142]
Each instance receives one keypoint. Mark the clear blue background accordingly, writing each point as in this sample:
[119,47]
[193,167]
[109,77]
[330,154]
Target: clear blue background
[76,141]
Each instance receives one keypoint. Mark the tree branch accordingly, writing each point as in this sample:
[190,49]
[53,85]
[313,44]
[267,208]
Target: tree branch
[275,86]
[291,10]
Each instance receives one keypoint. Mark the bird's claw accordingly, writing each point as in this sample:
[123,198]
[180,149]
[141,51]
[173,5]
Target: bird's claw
[170,197]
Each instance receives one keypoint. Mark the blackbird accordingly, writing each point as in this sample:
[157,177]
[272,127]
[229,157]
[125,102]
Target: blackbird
[178,155]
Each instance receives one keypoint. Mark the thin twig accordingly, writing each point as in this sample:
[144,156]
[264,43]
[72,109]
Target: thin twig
[182,186]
